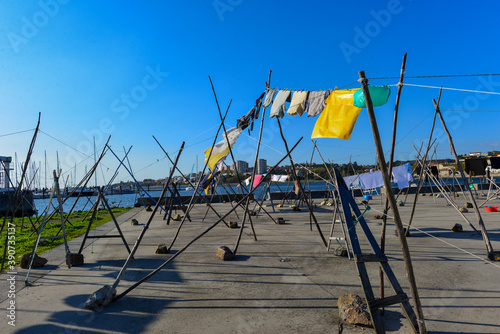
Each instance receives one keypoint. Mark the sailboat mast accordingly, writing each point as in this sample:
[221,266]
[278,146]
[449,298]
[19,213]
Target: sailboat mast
[95,160]
[45,151]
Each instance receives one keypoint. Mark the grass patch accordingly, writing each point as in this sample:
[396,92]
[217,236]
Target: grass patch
[25,236]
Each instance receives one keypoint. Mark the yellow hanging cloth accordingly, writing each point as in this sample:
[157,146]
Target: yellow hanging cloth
[339,116]
[221,149]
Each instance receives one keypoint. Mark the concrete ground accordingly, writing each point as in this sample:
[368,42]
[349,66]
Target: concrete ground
[285,282]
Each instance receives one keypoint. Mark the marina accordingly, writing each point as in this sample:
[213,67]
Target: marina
[286,279]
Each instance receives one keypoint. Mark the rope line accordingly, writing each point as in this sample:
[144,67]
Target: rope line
[15,133]
[470,110]
[443,241]
[448,88]
[438,76]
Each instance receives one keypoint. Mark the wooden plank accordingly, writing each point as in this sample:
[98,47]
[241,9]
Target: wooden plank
[387,301]
[348,203]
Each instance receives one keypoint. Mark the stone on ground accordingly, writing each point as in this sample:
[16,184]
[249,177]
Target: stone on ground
[97,299]
[37,262]
[161,249]
[354,310]
[224,253]
[74,259]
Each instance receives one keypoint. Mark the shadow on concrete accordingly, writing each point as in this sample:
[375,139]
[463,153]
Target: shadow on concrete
[447,233]
[115,317]
[49,329]
[393,320]
[463,323]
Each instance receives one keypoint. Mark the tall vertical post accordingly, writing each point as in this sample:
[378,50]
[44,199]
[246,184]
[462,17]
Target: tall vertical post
[145,228]
[392,201]
[420,177]
[268,83]
[486,239]
[391,161]
[300,185]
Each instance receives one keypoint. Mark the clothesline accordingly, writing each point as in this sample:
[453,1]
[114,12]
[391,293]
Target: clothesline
[448,88]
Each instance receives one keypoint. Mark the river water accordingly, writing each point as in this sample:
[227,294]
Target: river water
[128,200]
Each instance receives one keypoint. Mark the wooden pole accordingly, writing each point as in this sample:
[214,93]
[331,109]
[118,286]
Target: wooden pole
[486,238]
[202,234]
[195,192]
[240,182]
[231,152]
[441,189]
[188,181]
[268,83]
[300,185]
[17,198]
[417,191]
[391,160]
[61,213]
[333,178]
[141,235]
[397,219]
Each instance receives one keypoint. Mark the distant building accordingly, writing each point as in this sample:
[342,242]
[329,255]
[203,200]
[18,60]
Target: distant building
[475,154]
[4,172]
[261,166]
[242,166]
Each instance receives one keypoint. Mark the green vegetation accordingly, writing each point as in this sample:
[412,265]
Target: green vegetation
[25,236]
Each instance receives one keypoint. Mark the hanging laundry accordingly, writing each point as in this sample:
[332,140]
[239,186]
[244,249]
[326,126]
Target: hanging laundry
[278,109]
[248,119]
[339,116]
[495,162]
[256,180]
[379,95]
[244,121]
[247,181]
[209,178]
[269,97]
[279,178]
[221,149]
[402,175]
[296,187]
[352,182]
[371,180]
[298,104]
[316,102]
[476,166]
[258,104]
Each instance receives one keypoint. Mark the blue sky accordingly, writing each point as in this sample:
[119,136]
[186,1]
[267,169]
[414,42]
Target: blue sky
[134,69]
